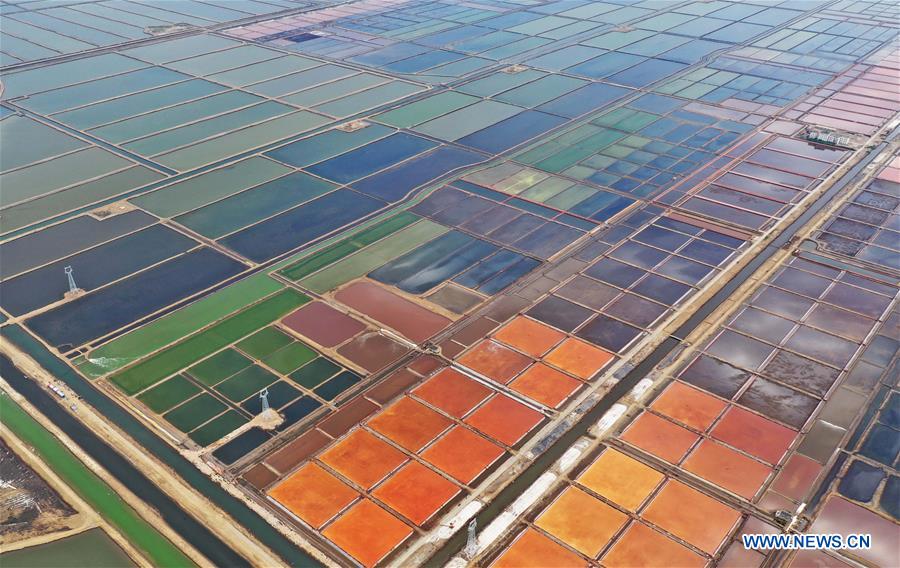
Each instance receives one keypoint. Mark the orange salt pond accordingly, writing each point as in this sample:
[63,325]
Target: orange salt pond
[545,385]
[462,454]
[642,547]
[727,468]
[660,437]
[689,406]
[584,522]
[534,550]
[452,392]
[579,358]
[621,479]
[529,336]
[416,492]
[692,516]
[409,423]
[495,361]
[504,419]
[367,532]
[314,495]
[363,458]
[754,434]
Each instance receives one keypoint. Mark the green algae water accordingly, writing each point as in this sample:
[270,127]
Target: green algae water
[159,550]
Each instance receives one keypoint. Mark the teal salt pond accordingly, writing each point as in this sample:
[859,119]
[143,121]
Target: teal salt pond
[191,101]
[46,171]
[89,549]
[35,31]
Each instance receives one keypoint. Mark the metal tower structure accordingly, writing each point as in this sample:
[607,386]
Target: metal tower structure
[471,549]
[264,399]
[73,289]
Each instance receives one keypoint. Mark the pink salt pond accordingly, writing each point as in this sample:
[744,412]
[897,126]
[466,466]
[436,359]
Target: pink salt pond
[410,319]
[323,324]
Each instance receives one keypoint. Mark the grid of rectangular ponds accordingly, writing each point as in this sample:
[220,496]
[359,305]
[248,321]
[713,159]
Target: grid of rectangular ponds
[762,186]
[395,456]
[623,291]
[756,414]
[641,148]
[868,227]
[247,122]
[37,30]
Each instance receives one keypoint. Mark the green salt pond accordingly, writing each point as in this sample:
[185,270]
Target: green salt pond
[181,355]
[197,191]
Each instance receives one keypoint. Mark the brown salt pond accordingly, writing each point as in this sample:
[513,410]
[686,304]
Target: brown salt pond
[455,299]
[348,416]
[323,324]
[259,476]
[408,318]
[373,351]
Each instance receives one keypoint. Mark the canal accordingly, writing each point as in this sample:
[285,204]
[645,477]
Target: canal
[503,499]
[191,530]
